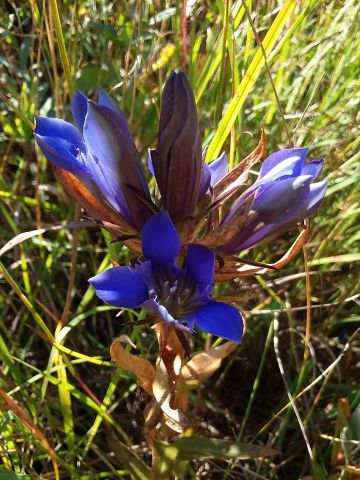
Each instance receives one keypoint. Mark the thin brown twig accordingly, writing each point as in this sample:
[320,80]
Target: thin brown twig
[184,36]
[308,305]
[74,255]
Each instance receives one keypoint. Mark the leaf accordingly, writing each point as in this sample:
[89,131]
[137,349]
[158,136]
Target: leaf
[317,471]
[340,452]
[198,447]
[152,413]
[40,231]
[164,460]
[141,368]
[13,476]
[355,424]
[205,364]
[248,81]
[345,258]
[137,469]
[163,392]
[351,469]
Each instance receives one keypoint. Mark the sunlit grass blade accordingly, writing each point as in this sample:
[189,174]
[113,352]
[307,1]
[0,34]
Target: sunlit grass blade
[248,81]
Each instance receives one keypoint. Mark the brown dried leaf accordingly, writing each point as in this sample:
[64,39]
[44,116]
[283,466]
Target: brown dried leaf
[163,392]
[143,369]
[22,237]
[233,176]
[204,364]
[170,348]
[152,413]
[338,455]
[227,231]
[237,269]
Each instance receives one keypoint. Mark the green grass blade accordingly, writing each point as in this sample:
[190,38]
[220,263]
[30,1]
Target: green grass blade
[248,81]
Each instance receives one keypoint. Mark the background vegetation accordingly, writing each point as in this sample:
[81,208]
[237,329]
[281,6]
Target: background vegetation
[69,401]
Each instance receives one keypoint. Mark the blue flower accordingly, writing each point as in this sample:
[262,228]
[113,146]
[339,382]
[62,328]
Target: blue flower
[101,154]
[284,193]
[181,297]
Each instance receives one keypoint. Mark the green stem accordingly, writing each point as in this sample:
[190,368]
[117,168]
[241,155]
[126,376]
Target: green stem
[61,43]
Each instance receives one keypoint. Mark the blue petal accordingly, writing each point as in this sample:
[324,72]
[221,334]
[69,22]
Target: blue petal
[248,240]
[218,319]
[121,287]
[108,185]
[117,161]
[219,168]
[284,162]
[106,101]
[79,108]
[306,205]
[312,168]
[200,264]
[102,160]
[54,127]
[205,179]
[62,154]
[315,197]
[282,194]
[160,240]
[150,162]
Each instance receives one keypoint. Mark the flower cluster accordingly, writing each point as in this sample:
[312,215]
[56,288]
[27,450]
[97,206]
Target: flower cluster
[197,209]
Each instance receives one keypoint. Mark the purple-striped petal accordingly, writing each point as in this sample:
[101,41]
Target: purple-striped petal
[160,240]
[121,287]
[108,139]
[177,160]
[218,319]
[250,237]
[107,186]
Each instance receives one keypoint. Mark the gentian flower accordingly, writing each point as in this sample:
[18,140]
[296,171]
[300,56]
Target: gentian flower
[101,154]
[181,297]
[283,194]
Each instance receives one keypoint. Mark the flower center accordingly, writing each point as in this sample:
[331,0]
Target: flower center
[175,290]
